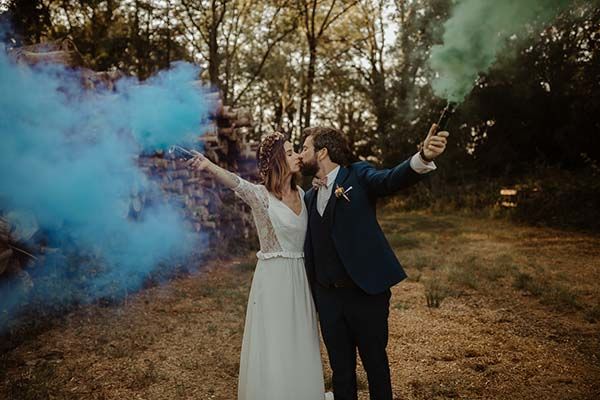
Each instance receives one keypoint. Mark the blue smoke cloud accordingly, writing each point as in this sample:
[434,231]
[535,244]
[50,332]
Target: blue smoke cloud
[69,160]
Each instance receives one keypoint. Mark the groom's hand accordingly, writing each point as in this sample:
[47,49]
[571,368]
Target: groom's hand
[434,144]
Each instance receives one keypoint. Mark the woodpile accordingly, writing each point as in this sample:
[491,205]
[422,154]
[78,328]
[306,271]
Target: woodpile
[13,253]
[65,52]
[61,52]
[211,210]
[6,253]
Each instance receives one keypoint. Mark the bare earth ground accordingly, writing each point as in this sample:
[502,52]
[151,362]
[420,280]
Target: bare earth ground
[518,319]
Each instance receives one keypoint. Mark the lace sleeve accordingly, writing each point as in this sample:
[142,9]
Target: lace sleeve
[257,197]
[253,195]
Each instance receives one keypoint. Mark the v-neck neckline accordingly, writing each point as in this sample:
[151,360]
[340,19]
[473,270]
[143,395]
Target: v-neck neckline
[288,207]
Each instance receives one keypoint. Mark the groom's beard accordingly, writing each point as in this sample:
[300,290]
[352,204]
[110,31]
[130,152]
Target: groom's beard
[310,168]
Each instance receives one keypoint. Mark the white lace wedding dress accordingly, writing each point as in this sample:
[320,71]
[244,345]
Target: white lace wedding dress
[280,357]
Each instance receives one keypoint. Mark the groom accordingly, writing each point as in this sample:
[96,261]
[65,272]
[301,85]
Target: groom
[349,263]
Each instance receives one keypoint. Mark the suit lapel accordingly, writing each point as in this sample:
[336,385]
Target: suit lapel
[339,181]
[312,197]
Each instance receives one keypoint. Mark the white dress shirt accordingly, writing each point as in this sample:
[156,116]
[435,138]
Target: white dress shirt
[324,192]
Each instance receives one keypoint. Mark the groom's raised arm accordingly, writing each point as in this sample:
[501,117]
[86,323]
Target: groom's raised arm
[388,181]
[385,182]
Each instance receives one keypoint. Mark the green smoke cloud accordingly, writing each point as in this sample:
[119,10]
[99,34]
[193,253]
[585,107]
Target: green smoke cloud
[475,33]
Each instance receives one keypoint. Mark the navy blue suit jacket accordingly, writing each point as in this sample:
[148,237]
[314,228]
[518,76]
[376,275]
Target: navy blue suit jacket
[358,238]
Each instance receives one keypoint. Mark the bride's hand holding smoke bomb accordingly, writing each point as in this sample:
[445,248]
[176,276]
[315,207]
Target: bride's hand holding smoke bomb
[199,161]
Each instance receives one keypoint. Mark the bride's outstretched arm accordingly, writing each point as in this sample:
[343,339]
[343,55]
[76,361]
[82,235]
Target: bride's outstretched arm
[253,195]
[221,175]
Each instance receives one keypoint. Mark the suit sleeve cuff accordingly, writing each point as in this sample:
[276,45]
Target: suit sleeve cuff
[420,166]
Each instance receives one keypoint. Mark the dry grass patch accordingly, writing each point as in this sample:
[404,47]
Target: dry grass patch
[501,328]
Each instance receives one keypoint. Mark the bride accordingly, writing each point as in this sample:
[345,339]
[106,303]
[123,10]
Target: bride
[280,356]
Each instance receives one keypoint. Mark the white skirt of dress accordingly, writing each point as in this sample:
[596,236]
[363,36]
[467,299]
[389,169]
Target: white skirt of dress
[280,357]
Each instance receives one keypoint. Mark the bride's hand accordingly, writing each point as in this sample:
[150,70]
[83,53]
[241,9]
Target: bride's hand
[199,161]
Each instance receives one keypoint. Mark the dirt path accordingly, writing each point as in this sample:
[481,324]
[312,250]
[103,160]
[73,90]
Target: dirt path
[518,320]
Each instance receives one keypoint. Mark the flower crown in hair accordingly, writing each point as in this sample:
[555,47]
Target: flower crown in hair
[265,152]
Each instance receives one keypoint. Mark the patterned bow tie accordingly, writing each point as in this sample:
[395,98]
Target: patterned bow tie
[319,182]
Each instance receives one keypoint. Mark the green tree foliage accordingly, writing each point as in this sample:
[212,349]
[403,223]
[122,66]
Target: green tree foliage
[542,105]
[30,21]
[362,66]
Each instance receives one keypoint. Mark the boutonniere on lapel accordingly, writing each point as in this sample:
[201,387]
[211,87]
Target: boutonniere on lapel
[341,192]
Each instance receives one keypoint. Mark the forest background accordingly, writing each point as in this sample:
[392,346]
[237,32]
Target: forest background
[530,123]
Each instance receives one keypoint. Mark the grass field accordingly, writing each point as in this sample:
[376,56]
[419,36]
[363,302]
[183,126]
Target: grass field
[491,310]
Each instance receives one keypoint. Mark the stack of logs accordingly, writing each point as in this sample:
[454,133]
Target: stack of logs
[211,210]
[6,252]
[64,52]
[13,257]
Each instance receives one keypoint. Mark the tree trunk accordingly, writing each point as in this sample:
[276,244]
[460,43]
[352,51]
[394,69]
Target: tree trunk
[310,78]
[214,58]
[213,62]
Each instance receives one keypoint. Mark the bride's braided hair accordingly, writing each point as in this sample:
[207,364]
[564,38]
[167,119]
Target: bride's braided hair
[266,150]
[273,164]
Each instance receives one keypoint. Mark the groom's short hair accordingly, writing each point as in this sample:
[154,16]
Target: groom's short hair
[331,139]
